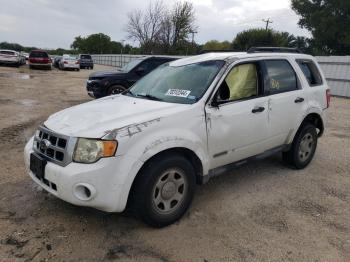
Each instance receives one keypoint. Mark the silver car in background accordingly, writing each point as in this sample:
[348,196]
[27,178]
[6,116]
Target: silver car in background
[10,57]
[69,62]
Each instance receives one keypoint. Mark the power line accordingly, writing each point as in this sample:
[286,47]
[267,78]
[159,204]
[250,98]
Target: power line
[268,21]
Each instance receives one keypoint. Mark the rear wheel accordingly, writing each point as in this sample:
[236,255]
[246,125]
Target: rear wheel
[303,147]
[116,89]
[164,189]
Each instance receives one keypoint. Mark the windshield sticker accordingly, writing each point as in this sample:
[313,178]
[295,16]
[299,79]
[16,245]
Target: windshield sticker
[178,92]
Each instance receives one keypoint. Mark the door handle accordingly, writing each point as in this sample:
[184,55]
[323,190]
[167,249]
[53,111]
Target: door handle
[258,109]
[299,100]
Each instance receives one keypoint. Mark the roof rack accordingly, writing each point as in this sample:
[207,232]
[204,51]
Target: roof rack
[273,50]
[205,51]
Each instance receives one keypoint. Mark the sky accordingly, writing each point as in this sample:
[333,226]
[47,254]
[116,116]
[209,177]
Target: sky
[55,23]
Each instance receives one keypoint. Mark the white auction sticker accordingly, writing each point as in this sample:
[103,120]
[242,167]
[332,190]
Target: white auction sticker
[178,92]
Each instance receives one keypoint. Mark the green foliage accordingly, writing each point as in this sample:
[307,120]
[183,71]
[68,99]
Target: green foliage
[100,44]
[216,45]
[16,47]
[262,37]
[329,23]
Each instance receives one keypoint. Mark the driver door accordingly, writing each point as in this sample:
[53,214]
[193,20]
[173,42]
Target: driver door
[237,120]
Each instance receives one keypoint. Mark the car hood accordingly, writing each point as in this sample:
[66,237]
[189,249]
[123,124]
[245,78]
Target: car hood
[102,74]
[97,118]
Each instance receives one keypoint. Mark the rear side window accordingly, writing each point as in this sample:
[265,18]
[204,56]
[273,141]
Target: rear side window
[38,54]
[280,77]
[311,72]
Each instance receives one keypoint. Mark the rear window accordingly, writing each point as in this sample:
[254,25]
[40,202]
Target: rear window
[7,52]
[85,56]
[38,54]
[310,72]
[281,76]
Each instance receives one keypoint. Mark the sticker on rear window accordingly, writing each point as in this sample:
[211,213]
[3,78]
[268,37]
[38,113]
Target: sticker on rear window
[178,92]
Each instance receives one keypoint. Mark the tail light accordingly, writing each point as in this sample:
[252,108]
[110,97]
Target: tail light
[77,62]
[65,62]
[328,96]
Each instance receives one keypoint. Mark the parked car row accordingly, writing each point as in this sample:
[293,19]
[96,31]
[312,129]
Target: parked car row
[41,59]
[73,62]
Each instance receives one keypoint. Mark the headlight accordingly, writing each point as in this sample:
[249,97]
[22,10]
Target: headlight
[91,150]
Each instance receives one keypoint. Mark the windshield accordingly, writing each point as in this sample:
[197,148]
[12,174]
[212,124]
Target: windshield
[177,84]
[129,66]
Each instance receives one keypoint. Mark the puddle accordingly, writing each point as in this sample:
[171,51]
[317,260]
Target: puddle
[16,76]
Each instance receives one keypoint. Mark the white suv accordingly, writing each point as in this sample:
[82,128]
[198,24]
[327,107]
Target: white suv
[185,122]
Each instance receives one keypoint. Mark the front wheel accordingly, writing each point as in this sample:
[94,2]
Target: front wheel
[163,190]
[303,147]
[116,89]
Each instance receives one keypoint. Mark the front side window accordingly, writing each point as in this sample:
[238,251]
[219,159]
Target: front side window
[240,83]
[177,84]
[310,72]
[280,77]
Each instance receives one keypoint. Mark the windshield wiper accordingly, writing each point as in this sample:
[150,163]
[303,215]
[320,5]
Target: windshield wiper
[148,96]
[128,92]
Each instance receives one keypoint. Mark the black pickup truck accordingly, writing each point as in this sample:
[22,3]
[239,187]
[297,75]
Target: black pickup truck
[104,83]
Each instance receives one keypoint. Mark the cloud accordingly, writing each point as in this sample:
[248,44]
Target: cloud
[52,24]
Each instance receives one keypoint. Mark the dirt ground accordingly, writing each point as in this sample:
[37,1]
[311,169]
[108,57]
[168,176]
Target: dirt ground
[262,211]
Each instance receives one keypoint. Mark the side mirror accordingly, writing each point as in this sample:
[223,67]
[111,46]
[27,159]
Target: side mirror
[140,71]
[214,102]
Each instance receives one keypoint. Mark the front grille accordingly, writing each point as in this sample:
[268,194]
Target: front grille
[93,85]
[54,147]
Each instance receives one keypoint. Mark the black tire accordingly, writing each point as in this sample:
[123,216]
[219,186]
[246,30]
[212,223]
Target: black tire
[115,89]
[303,147]
[145,192]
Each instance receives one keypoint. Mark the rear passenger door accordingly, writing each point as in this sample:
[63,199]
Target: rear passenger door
[286,100]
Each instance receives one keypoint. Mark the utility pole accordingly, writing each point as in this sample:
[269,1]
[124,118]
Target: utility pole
[121,53]
[268,21]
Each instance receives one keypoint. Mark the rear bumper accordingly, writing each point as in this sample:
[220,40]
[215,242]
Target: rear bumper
[39,65]
[86,64]
[9,62]
[72,66]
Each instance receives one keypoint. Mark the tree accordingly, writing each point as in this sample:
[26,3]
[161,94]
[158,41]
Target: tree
[144,27]
[96,44]
[329,23]
[261,37]
[216,45]
[163,30]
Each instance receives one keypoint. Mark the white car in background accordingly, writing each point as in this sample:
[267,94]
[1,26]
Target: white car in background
[10,57]
[69,62]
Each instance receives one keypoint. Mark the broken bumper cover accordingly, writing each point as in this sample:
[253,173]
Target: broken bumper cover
[99,185]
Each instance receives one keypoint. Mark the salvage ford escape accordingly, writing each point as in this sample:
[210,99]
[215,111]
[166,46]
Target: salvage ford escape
[186,121]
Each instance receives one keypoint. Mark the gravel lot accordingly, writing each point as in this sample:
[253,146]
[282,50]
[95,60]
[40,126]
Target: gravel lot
[262,211]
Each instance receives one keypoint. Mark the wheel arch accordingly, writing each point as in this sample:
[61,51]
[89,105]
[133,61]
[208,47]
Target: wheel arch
[183,151]
[189,154]
[316,120]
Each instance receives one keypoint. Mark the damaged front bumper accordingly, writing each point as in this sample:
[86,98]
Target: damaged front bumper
[99,185]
